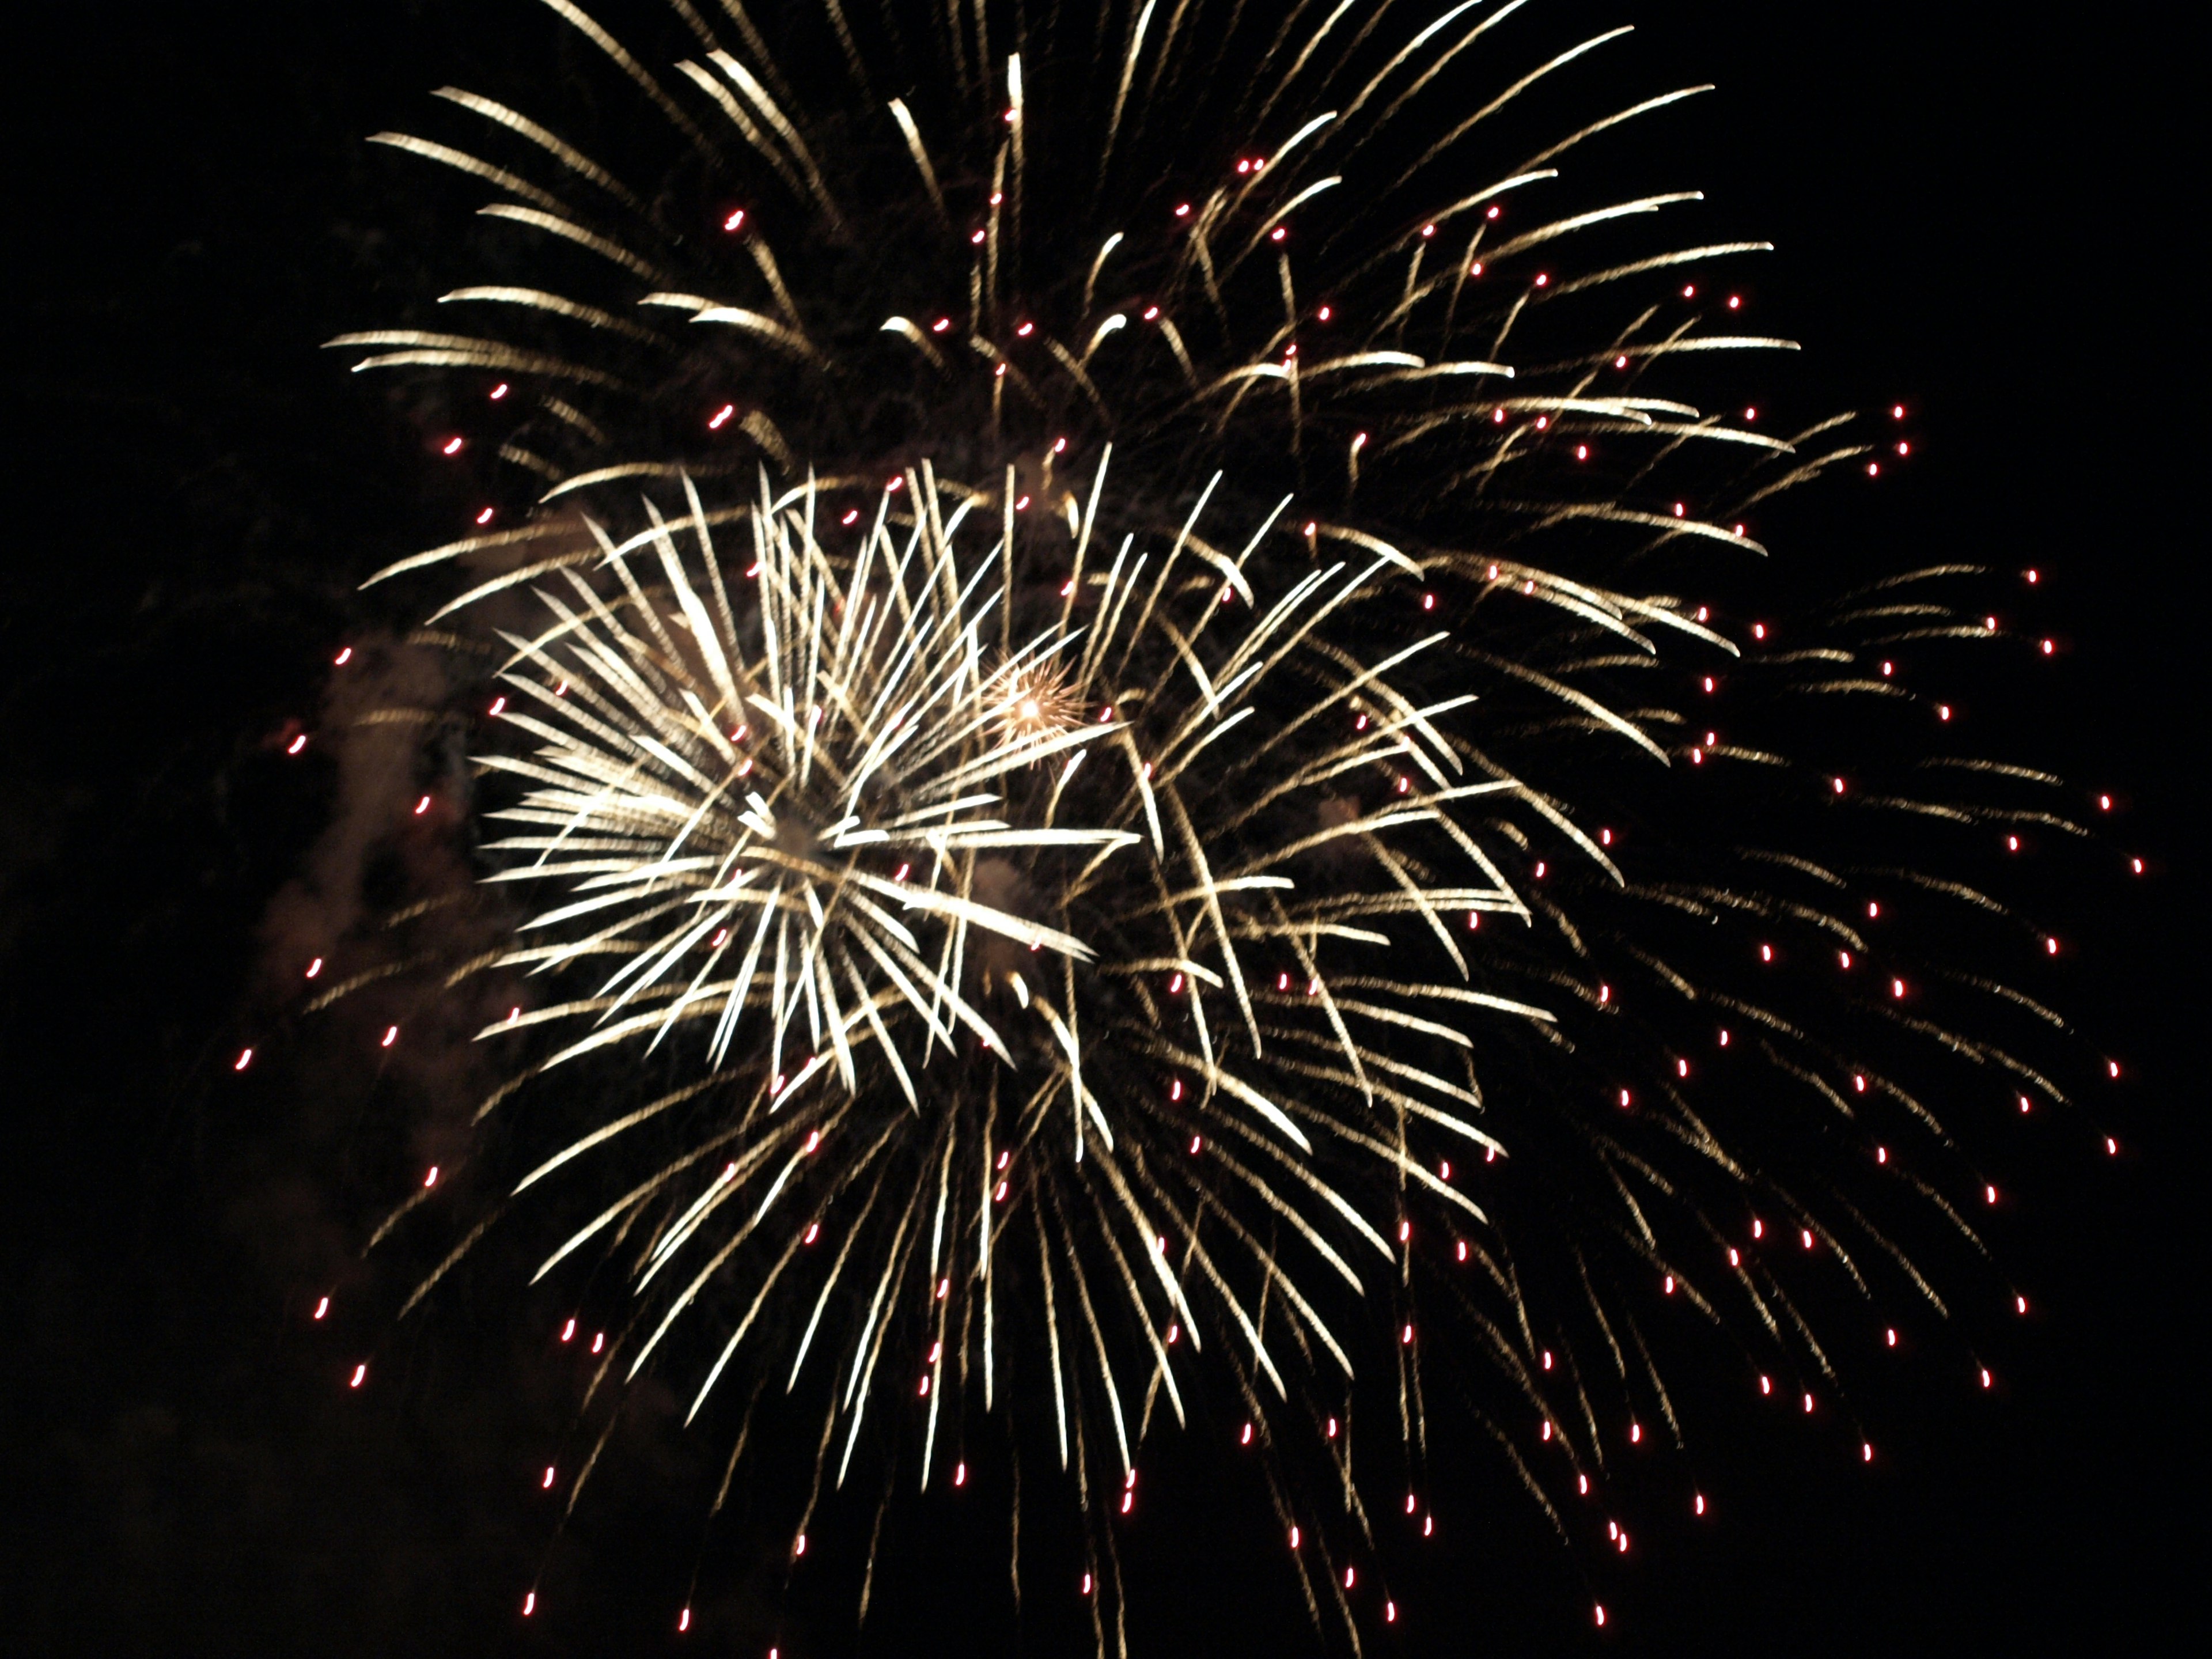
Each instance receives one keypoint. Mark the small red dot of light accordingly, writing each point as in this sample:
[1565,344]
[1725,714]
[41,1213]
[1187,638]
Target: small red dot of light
[1582,451]
[1752,413]
[735,220]
[1325,313]
[342,657]
[852,517]
[1493,212]
[499,392]
[1277,234]
[245,1058]
[720,418]
[2034,577]
[1873,469]
[452,446]
[977,239]
[1428,230]
[1150,312]
[1543,278]
[1182,211]
[1897,412]
[485,517]
[296,744]
[1736,302]
[1475,269]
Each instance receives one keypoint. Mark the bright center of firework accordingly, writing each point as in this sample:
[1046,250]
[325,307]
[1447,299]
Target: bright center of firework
[1038,703]
[828,816]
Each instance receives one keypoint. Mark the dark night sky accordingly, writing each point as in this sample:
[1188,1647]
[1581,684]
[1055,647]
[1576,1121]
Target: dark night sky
[1981,214]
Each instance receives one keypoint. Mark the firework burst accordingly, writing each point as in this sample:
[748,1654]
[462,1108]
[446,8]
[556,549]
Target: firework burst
[1144,773]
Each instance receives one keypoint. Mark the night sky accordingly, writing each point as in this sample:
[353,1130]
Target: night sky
[1979,214]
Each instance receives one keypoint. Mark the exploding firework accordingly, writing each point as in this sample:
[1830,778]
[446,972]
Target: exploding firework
[1136,823]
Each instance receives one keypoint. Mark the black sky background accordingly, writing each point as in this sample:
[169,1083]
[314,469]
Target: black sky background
[1984,215]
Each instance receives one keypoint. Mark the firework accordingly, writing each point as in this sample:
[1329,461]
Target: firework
[1124,810]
